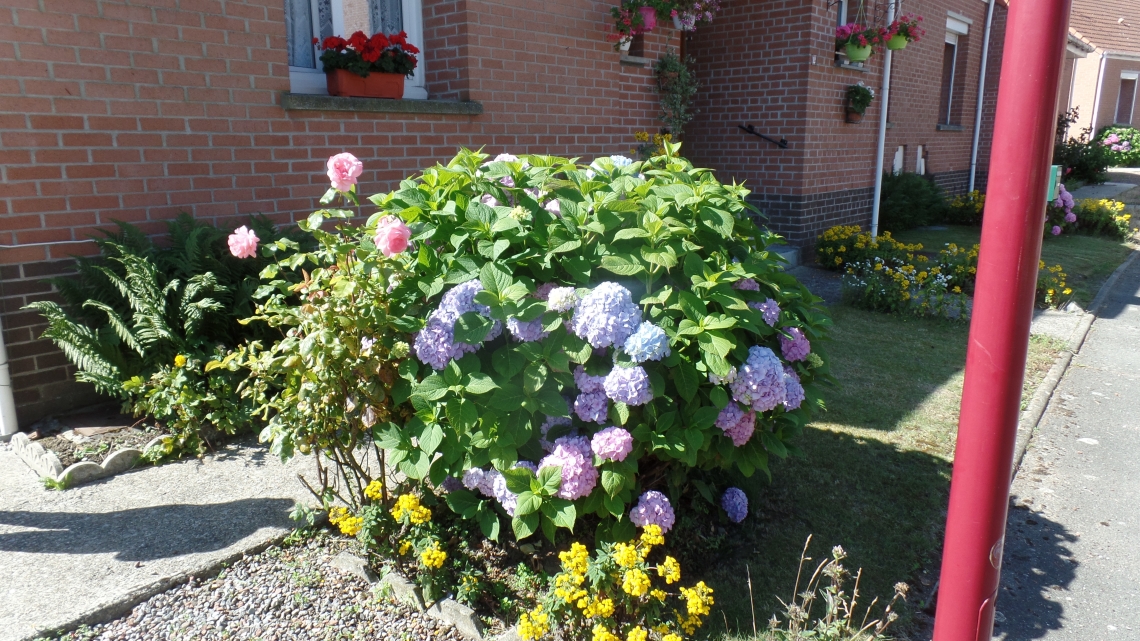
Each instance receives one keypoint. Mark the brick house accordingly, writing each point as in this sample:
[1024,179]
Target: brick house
[137,110]
[1102,64]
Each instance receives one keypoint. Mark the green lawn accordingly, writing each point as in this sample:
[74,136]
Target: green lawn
[1088,260]
[875,478]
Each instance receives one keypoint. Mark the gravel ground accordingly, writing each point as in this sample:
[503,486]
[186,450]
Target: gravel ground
[282,594]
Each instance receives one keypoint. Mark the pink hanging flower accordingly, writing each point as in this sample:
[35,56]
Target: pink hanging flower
[243,243]
[344,169]
[392,236]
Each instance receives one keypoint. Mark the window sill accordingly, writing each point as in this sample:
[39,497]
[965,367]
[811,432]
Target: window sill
[949,127]
[315,102]
[853,66]
[634,61]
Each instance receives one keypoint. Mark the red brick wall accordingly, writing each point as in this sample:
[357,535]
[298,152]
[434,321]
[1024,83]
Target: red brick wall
[117,110]
[772,63]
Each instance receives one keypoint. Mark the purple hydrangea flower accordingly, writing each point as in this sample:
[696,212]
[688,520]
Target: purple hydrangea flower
[612,443]
[473,479]
[506,158]
[727,378]
[562,299]
[588,384]
[795,348]
[1056,230]
[769,309]
[554,207]
[629,385]
[747,285]
[795,390]
[1070,217]
[550,423]
[451,484]
[592,407]
[526,331]
[579,476]
[542,292]
[737,424]
[653,508]
[760,382]
[648,343]
[435,344]
[489,200]
[606,316]
[735,502]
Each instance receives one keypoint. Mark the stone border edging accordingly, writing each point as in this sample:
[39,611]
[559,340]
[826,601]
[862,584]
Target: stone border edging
[448,610]
[47,465]
[1032,414]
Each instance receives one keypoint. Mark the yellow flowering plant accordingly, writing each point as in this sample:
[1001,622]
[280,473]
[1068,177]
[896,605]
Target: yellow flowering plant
[1103,217]
[623,592]
[966,209]
[1052,289]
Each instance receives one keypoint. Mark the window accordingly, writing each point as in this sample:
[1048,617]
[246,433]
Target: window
[308,19]
[1126,102]
[841,13]
[950,104]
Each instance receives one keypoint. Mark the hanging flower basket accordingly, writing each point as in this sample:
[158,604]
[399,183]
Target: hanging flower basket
[855,53]
[648,18]
[859,41]
[896,42]
[856,100]
[903,31]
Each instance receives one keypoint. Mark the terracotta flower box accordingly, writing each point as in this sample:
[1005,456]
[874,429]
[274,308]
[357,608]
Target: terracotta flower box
[342,82]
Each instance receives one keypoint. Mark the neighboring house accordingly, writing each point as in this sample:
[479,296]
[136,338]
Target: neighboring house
[136,110]
[1103,64]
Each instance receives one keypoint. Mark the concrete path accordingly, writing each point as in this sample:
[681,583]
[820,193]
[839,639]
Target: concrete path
[1107,190]
[1072,555]
[64,555]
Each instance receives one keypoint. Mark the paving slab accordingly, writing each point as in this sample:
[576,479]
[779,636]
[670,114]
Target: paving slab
[1056,323]
[65,555]
[1071,557]
[1106,190]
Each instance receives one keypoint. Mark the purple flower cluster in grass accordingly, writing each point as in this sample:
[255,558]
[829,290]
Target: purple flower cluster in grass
[769,309]
[747,285]
[629,385]
[795,390]
[648,343]
[526,331]
[579,476]
[612,443]
[653,508]
[737,424]
[435,344]
[735,503]
[606,316]
[795,348]
[760,382]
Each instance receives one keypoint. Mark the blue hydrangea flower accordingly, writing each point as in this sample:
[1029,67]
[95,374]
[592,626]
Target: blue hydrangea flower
[550,423]
[795,395]
[629,385]
[586,383]
[735,502]
[526,331]
[592,407]
[435,344]
[648,343]
[769,309]
[606,316]
[759,383]
[653,508]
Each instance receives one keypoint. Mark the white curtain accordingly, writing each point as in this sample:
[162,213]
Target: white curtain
[387,16]
[300,16]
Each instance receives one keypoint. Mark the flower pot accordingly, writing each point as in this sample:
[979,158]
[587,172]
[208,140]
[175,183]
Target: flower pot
[854,117]
[896,42]
[855,53]
[624,43]
[677,22]
[648,18]
[341,82]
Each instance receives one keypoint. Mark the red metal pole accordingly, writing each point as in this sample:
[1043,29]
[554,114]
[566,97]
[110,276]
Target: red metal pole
[1003,305]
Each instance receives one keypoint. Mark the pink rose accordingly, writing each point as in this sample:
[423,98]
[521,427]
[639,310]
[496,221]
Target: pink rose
[392,236]
[344,169]
[243,243]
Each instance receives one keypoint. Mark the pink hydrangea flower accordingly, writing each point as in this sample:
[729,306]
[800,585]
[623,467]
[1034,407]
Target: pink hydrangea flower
[797,347]
[574,456]
[1056,230]
[612,443]
[653,508]
[392,236]
[1070,217]
[243,243]
[344,169]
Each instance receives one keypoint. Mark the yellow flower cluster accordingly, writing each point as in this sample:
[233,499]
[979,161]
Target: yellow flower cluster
[698,602]
[637,633]
[602,633]
[348,524]
[433,557]
[576,559]
[404,547]
[599,608]
[635,582]
[410,504]
[652,535]
[180,361]
[625,555]
[534,624]
[567,585]
[670,570]
[374,491]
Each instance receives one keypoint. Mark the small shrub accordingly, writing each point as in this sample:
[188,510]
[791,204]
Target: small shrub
[1052,291]
[844,244]
[910,200]
[1103,217]
[676,85]
[1121,145]
[1081,159]
[1059,214]
[966,209]
[859,97]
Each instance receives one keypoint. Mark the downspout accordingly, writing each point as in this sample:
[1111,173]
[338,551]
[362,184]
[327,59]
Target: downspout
[981,95]
[1099,87]
[880,147]
[8,424]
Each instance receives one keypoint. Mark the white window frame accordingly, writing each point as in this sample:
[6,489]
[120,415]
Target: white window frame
[1135,77]
[312,81]
[841,13]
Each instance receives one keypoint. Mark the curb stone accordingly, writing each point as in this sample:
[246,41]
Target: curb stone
[46,463]
[448,610]
[1031,417]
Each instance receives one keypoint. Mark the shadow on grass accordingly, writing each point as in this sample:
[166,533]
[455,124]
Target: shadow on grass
[884,505]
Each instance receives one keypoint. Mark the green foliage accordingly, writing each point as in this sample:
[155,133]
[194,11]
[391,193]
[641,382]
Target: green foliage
[1121,145]
[859,97]
[1103,217]
[966,209]
[910,200]
[1081,159]
[676,85]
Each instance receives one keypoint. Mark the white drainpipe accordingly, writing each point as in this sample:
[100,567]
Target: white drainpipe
[880,147]
[981,94]
[8,424]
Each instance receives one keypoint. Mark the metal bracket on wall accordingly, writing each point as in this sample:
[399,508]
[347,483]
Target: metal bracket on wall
[781,143]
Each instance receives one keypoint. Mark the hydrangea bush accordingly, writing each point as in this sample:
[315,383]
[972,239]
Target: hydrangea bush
[585,333]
